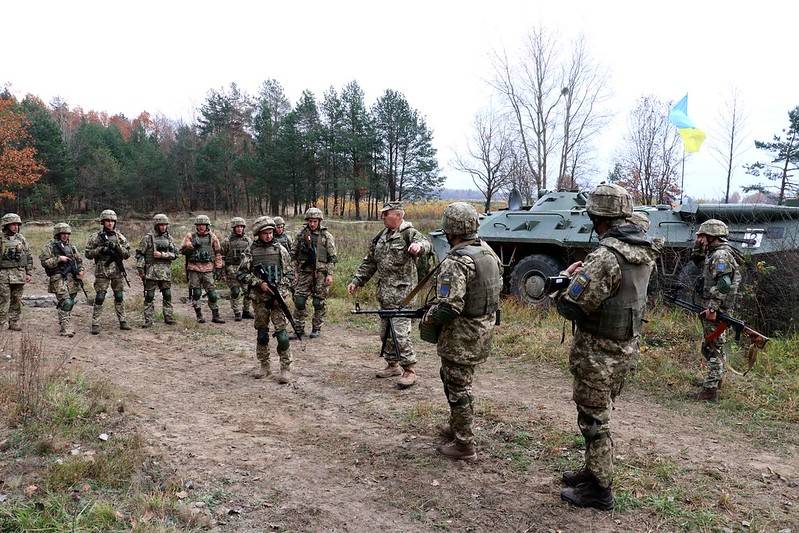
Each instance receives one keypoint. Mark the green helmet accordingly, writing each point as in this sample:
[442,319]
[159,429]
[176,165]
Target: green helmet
[460,220]
[279,221]
[609,200]
[262,223]
[160,218]
[61,227]
[314,212]
[640,219]
[108,214]
[202,219]
[713,228]
[10,218]
[237,221]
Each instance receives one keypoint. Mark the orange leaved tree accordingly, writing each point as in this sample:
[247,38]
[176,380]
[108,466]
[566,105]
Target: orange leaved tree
[18,165]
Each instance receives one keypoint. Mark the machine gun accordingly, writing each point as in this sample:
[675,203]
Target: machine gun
[390,315]
[70,267]
[111,250]
[270,277]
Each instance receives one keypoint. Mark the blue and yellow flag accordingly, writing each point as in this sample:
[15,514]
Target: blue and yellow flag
[692,137]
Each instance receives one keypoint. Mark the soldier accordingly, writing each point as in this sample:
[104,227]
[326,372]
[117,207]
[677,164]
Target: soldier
[232,251]
[606,300]
[280,233]
[314,256]
[102,246]
[720,279]
[62,262]
[274,260]
[461,320]
[154,258]
[392,255]
[203,257]
[16,267]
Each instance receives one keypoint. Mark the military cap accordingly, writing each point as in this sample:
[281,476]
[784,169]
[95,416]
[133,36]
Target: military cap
[389,206]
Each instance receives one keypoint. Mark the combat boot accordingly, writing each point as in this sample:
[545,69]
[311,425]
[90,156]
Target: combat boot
[589,494]
[246,315]
[392,369]
[65,330]
[95,329]
[572,478]
[315,333]
[458,450]
[293,336]
[14,326]
[215,318]
[285,375]
[408,377]
[124,326]
[708,395]
[199,312]
[168,320]
[147,324]
[262,371]
[237,316]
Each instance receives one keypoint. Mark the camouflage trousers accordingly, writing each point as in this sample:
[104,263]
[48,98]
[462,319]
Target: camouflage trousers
[10,302]
[66,291]
[457,380]
[313,287]
[238,293]
[713,351]
[199,281]
[150,286]
[265,312]
[402,327]
[100,288]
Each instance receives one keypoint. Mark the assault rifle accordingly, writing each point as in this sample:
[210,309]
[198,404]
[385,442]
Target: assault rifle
[390,315]
[70,267]
[723,322]
[111,250]
[261,273]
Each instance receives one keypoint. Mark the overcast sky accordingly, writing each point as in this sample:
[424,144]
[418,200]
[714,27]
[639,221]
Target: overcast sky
[164,56]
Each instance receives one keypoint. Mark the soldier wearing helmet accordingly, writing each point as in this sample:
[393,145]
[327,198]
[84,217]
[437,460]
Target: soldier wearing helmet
[63,264]
[314,256]
[281,235]
[101,247]
[392,256]
[203,261]
[461,320]
[16,268]
[273,259]
[721,276]
[233,247]
[154,258]
[606,300]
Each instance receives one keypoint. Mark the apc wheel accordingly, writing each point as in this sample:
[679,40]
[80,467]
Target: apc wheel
[528,277]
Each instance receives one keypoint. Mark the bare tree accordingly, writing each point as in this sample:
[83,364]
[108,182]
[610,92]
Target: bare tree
[731,121]
[488,156]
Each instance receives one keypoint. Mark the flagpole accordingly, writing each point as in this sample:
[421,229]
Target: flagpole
[682,179]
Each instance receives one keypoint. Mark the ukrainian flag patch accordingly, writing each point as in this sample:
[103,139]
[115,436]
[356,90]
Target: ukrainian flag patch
[443,286]
[579,283]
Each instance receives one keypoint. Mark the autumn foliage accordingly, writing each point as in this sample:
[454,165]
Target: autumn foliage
[18,165]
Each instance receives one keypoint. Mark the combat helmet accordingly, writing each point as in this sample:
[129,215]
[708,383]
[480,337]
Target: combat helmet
[460,220]
[61,227]
[640,219]
[262,223]
[108,214]
[160,218]
[202,219]
[314,212]
[713,228]
[279,221]
[609,200]
[237,221]
[10,218]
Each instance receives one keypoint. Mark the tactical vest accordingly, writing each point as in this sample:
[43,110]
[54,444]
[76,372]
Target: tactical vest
[619,317]
[282,240]
[203,253]
[68,250]
[14,254]
[268,255]
[482,291]
[236,247]
[318,241]
[163,244]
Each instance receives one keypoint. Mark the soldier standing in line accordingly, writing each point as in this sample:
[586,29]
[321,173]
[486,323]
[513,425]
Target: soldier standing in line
[203,257]
[102,247]
[233,247]
[461,320]
[606,299]
[154,258]
[16,268]
[721,276]
[274,261]
[392,256]
[281,235]
[63,264]
[314,256]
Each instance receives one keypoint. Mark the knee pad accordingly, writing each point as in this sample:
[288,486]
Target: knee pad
[149,296]
[299,301]
[463,401]
[67,304]
[589,426]
[167,295]
[119,296]
[318,303]
[707,351]
[282,340]
[196,293]
[99,298]
[263,336]
[212,297]
[235,292]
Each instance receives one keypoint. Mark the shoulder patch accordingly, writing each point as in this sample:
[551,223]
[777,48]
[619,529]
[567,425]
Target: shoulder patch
[443,286]
[578,285]
[721,266]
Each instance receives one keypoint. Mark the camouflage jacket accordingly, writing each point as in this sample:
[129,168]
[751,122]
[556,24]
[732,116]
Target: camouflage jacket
[49,258]
[17,254]
[186,248]
[389,258]
[285,240]
[96,249]
[319,243]
[158,269]
[721,276]
[246,276]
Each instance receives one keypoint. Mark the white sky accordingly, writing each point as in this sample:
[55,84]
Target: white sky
[164,57]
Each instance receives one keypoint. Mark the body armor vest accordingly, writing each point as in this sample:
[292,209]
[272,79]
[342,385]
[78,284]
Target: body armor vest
[268,256]
[236,247]
[204,253]
[482,291]
[14,254]
[283,240]
[318,242]
[60,248]
[619,317]
[162,243]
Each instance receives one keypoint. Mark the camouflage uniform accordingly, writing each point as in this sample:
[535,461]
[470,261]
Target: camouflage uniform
[16,267]
[64,282]
[282,238]
[105,270]
[314,256]
[395,266]
[233,247]
[276,261]
[156,272]
[203,256]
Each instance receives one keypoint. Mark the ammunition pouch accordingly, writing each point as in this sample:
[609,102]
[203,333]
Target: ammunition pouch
[429,332]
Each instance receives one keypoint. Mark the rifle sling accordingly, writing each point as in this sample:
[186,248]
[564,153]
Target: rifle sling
[419,286]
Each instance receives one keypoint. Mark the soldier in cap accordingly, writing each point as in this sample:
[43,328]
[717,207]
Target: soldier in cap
[314,256]
[281,236]
[16,268]
[154,258]
[203,256]
[233,247]
[63,264]
[461,321]
[274,260]
[391,256]
[606,300]
[101,247]
[721,276]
